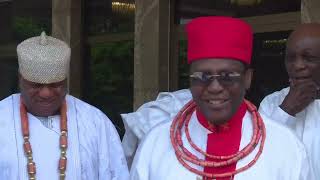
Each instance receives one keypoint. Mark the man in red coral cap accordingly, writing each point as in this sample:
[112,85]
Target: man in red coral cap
[218,134]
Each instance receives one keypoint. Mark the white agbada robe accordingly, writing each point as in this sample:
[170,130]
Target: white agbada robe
[305,124]
[155,158]
[94,148]
[138,123]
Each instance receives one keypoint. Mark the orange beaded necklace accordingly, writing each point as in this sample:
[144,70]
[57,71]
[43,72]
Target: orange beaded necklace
[31,166]
[183,155]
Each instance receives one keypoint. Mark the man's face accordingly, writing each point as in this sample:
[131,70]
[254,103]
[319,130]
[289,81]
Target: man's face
[303,55]
[42,99]
[218,100]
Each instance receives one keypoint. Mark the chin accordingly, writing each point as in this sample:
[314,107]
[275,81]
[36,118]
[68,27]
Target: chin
[218,120]
[42,114]
[219,116]
[45,112]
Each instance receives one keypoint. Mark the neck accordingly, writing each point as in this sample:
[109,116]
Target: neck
[43,114]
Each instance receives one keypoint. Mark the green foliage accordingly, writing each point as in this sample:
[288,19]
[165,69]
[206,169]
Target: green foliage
[111,87]
[26,27]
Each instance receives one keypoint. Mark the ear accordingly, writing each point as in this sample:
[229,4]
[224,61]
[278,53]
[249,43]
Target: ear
[247,78]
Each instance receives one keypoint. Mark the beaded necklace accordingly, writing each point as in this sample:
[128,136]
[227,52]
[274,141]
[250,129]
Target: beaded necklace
[31,166]
[183,154]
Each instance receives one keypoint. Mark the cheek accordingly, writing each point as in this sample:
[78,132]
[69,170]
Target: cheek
[28,94]
[288,67]
[62,93]
[315,70]
[237,92]
[196,92]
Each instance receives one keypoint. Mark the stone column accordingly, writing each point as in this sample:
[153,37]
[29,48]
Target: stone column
[67,26]
[153,23]
[310,11]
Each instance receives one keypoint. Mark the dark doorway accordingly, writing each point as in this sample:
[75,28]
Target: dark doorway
[268,63]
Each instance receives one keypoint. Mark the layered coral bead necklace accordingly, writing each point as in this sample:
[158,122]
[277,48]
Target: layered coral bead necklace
[31,166]
[181,121]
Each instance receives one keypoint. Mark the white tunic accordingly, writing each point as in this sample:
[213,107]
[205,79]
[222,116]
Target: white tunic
[138,123]
[305,124]
[155,158]
[94,148]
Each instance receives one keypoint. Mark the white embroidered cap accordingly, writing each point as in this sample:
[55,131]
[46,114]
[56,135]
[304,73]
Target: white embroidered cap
[43,59]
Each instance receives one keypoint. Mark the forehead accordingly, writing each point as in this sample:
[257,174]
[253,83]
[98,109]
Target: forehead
[304,40]
[217,65]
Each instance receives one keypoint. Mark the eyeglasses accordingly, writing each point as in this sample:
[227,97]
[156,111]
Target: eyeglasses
[225,78]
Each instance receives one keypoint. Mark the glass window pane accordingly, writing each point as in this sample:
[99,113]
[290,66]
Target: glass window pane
[19,20]
[109,16]
[237,8]
[109,29]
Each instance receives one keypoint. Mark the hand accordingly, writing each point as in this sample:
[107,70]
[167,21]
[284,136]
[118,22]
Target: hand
[302,93]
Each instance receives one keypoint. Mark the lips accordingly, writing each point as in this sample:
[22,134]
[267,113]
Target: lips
[217,103]
[45,103]
[302,77]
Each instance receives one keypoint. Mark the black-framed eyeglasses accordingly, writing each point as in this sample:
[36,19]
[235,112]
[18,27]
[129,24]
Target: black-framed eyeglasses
[224,78]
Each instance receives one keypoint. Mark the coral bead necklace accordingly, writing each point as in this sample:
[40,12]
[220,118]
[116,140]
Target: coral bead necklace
[184,155]
[31,166]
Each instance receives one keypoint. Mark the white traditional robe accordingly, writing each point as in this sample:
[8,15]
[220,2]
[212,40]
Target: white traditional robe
[94,149]
[138,123]
[305,124]
[155,158]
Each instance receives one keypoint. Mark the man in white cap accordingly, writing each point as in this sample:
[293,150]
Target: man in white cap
[47,134]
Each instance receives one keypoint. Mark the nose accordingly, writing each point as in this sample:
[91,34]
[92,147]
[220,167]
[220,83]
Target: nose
[299,64]
[45,92]
[215,86]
